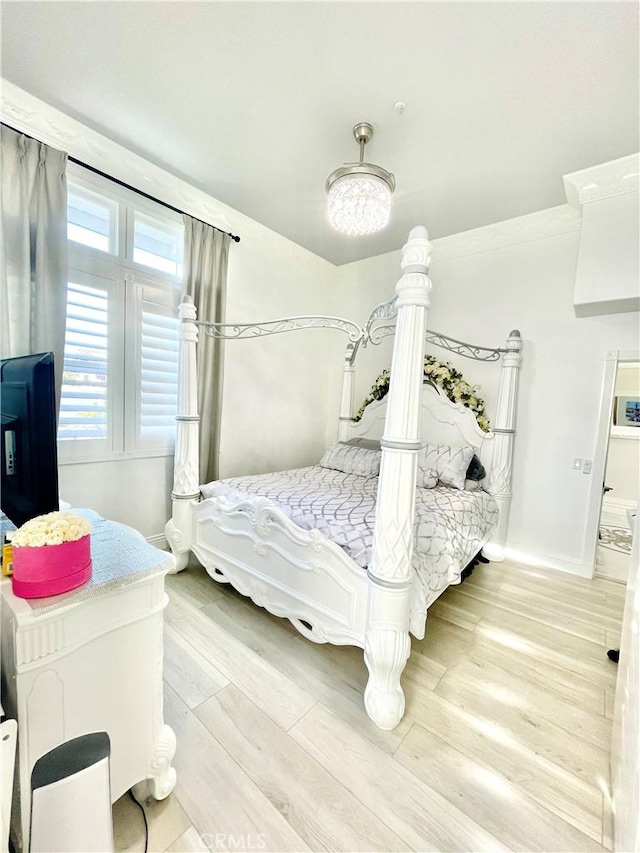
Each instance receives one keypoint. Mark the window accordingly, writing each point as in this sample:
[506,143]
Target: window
[119,387]
[91,219]
[157,245]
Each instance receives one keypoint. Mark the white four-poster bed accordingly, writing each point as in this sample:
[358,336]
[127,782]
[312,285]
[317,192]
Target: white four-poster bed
[372,600]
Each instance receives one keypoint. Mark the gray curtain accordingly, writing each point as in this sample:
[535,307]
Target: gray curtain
[205,280]
[33,270]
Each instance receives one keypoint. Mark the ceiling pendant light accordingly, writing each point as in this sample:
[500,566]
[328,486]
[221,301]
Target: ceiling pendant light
[359,194]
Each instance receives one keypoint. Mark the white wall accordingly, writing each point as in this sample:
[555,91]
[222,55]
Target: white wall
[132,491]
[275,395]
[357,288]
[522,275]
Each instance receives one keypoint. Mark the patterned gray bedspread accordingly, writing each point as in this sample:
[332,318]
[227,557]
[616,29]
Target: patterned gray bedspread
[450,526]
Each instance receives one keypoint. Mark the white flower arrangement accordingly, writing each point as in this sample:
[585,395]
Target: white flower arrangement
[445,377]
[54,528]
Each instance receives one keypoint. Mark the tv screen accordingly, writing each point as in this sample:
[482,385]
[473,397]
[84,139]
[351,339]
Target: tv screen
[29,459]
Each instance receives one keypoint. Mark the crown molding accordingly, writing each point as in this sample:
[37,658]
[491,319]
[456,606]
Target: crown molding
[603,181]
[36,118]
[523,229]
[30,115]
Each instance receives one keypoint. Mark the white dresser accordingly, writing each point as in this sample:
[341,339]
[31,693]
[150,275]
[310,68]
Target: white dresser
[91,660]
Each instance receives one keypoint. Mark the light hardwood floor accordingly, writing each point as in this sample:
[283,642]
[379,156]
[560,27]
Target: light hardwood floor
[504,746]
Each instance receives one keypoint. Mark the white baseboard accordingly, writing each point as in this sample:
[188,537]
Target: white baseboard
[160,541]
[546,561]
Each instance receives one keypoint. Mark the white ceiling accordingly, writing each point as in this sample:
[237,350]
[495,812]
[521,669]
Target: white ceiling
[254,102]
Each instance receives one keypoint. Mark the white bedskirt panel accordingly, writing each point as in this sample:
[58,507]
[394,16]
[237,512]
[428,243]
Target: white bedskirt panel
[451,525]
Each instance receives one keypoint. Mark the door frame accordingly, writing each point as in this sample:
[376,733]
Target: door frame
[594,507]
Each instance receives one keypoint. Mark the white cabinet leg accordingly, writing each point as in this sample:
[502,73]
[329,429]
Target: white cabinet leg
[178,547]
[162,776]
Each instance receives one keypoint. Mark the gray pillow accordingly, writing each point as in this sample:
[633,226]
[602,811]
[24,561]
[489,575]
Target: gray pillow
[440,463]
[352,460]
[368,443]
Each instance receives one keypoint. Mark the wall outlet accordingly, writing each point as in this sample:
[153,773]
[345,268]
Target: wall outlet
[586,466]
[577,464]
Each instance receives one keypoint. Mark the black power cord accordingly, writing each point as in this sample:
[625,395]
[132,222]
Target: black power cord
[144,816]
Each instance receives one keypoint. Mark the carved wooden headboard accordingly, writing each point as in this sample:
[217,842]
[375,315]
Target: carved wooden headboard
[441,422]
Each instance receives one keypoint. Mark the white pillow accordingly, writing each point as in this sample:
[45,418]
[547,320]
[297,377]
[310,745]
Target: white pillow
[352,460]
[444,464]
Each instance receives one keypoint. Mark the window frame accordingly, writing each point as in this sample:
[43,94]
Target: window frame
[129,278]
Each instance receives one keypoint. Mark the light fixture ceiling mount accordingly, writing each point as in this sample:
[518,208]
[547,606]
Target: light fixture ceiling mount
[359,194]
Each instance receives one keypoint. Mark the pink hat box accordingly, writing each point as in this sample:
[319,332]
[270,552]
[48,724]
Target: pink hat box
[50,569]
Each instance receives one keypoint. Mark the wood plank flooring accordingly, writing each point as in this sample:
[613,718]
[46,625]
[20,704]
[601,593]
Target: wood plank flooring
[504,745]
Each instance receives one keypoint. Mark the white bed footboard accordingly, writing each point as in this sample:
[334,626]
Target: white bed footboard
[290,572]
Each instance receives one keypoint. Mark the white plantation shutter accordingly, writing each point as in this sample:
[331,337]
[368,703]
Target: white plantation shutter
[159,373]
[157,360]
[83,409]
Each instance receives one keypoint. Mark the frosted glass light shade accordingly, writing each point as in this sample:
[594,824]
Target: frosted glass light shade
[359,205]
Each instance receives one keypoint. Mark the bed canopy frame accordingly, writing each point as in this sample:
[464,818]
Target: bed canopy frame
[298,573]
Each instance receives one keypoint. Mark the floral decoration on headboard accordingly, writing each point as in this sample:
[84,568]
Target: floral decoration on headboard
[444,376]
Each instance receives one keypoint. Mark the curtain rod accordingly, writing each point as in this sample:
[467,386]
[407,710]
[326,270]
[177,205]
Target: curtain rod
[234,237]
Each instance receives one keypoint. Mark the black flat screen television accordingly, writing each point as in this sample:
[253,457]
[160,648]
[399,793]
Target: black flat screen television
[29,458]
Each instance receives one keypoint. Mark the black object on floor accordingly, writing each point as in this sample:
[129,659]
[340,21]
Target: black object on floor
[144,817]
[614,655]
[464,574]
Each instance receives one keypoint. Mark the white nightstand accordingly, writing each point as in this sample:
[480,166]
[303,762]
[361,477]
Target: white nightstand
[91,660]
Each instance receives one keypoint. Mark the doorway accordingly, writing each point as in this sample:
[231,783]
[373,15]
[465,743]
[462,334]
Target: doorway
[616,483]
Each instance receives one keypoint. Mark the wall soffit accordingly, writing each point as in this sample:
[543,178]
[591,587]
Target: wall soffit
[607,179]
[512,232]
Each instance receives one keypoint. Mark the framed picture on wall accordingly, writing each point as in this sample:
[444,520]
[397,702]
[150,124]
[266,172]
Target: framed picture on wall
[627,412]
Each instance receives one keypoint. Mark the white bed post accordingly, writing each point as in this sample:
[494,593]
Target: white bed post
[499,480]
[186,485]
[387,643]
[346,402]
